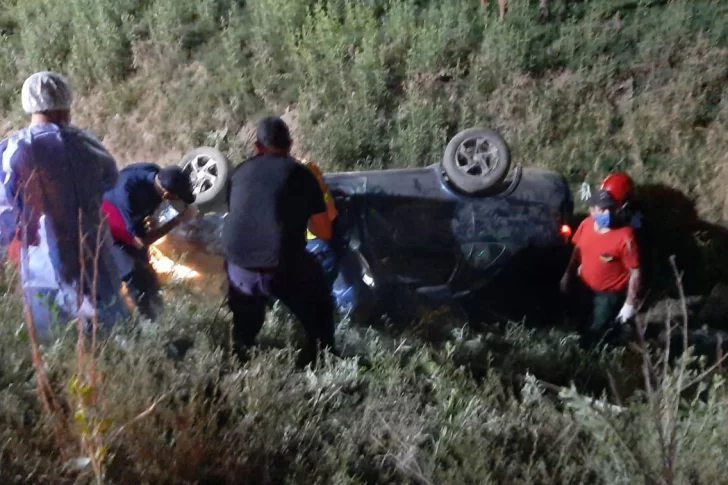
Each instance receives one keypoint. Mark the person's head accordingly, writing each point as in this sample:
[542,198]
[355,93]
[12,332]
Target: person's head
[47,97]
[602,208]
[173,184]
[620,187]
[273,136]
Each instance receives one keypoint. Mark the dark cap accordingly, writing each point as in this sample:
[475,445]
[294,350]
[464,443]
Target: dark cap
[603,200]
[175,181]
[273,133]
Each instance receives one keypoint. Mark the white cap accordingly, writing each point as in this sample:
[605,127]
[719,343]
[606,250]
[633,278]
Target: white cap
[46,91]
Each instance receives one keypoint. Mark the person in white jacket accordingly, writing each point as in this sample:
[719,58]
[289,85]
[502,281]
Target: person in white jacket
[54,177]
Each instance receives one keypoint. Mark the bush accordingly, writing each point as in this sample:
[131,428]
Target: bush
[162,412]
[100,46]
[606,85]
[616,84]
[44,30]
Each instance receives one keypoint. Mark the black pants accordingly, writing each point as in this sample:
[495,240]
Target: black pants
[300,285]
[140,279]
[597,313]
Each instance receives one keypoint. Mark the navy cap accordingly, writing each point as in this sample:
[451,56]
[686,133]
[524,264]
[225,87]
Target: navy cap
[603,200]
[175,181]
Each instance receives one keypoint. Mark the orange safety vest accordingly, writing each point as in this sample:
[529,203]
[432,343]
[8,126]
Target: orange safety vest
[328,198]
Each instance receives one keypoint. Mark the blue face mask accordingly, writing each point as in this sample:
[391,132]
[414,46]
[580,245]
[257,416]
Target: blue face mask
[602,219]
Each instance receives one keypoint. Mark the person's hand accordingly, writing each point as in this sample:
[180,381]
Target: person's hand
[189,213]
[626,313]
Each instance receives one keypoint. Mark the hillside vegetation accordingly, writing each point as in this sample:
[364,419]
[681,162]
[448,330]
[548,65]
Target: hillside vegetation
[630,84]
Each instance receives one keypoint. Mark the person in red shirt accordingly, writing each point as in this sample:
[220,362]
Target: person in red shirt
[606,260]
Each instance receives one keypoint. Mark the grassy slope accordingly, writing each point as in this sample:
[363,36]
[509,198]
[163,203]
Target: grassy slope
[415,415]
[637,85]
[632,84]
[613,83]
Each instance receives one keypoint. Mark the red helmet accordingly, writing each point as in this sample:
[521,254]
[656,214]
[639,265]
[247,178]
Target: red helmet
[619,186]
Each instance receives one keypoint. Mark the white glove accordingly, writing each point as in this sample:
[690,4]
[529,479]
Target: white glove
[626,313]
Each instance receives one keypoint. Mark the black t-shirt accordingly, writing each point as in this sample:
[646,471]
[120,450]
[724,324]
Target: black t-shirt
[270,200]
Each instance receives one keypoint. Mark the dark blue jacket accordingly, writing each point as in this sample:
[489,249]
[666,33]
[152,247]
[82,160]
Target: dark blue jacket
[135,195]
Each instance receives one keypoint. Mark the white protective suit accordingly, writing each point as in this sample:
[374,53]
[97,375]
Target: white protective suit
[54,178]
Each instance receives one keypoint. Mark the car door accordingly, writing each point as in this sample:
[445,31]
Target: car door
[412,239]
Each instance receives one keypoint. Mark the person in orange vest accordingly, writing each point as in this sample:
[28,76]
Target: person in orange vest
[606,259]
[328,198]
[325,251]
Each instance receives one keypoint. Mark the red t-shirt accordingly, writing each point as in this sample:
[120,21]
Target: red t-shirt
[606,258]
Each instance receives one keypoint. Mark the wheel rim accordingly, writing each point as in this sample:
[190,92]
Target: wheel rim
[476,157]
[203,172]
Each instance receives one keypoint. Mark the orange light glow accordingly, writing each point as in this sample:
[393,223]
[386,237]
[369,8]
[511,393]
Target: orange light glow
[163,265]
[566,231]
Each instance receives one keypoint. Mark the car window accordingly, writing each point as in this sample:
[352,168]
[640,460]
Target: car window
[412,237]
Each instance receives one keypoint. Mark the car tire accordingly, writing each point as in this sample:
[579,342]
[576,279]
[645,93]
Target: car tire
[209,170]
[474,173]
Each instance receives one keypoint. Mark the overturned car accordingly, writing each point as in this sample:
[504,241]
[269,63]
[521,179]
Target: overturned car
[470,229]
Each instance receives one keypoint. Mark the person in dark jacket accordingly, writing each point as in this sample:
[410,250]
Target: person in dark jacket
[272,200]
[141,189]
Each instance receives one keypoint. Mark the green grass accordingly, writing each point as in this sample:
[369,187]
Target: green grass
[471,409]
[610,84]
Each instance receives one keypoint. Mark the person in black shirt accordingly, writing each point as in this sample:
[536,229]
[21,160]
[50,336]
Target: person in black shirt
[272,200]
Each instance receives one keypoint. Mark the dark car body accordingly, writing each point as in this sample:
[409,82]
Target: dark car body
[407,240]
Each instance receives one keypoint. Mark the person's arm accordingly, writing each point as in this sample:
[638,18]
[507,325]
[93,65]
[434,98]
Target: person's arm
[8,155]
[158,232]
[319,222]
[20,190]
[8,215]
[118,227]
[328,198]
[320,226]
[633,287]
[110,174]
[631,260]
[109,169]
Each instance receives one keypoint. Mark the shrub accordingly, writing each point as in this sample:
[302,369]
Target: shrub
[606,85]
[45,35]
[100,46]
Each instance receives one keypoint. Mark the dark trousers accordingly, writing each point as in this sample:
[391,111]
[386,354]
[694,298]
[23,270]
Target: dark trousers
[597,313]
[300,285]
[140,279]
